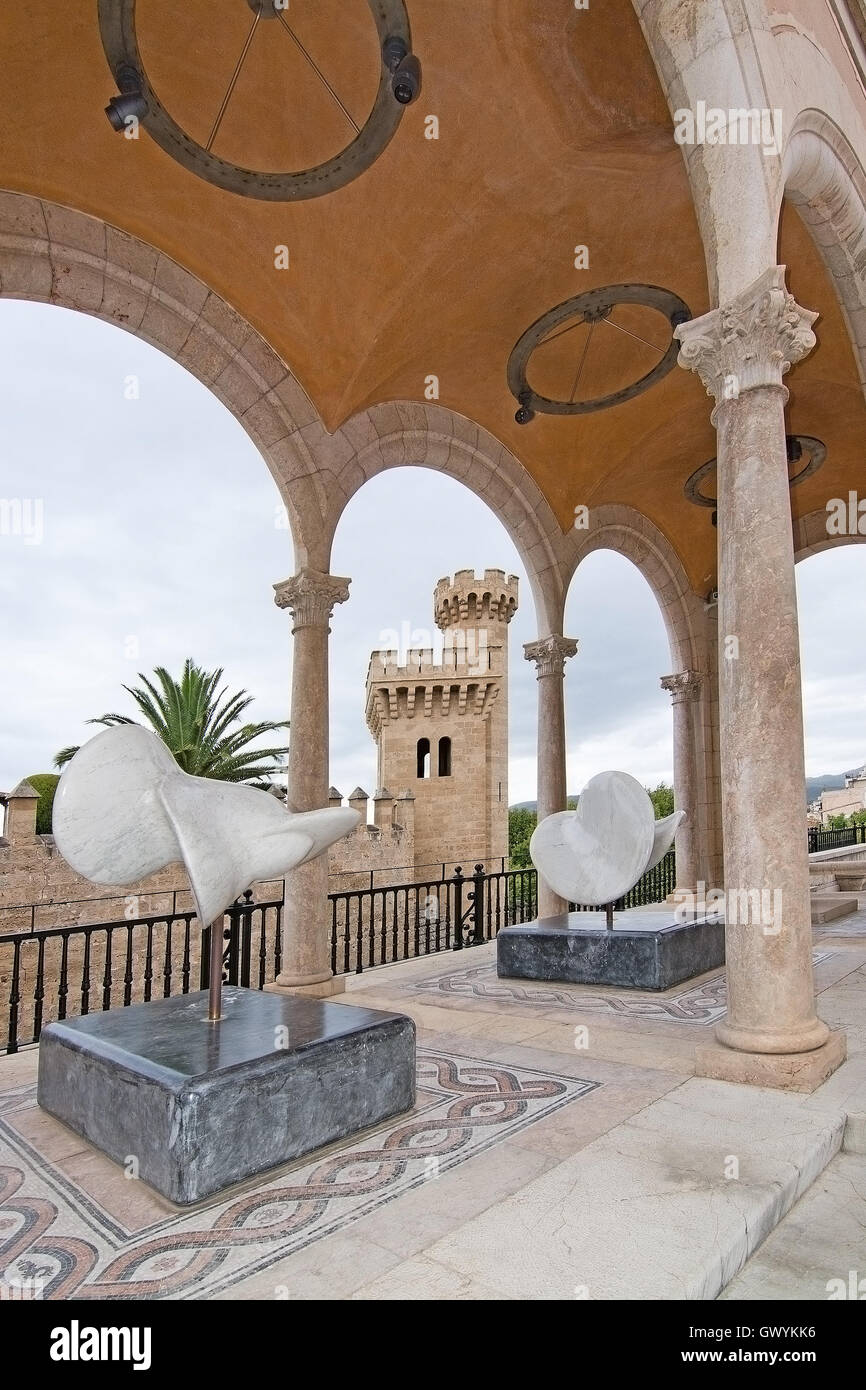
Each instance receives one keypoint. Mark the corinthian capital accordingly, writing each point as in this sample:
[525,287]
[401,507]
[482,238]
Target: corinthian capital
[752,341]
[549,654]
[311,596]
[684,685]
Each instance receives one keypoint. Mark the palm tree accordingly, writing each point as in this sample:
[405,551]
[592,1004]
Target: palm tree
[193,719]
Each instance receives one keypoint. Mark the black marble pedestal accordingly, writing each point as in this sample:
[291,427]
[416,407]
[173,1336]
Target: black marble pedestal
[646,949]
[202,1105]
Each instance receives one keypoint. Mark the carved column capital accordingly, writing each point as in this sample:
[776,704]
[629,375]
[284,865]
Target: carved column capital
[549,654]
[311,595]
[751,341]
[683,686]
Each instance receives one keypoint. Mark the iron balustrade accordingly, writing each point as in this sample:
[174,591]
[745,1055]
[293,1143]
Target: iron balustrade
[64,972]
[378,926]
[60,972]
[836,839]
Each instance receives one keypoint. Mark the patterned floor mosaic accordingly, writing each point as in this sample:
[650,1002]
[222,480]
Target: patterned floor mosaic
[700,1004]
[52,1231]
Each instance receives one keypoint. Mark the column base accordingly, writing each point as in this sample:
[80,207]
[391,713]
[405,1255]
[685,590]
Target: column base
[803,1039]
[314,986]
[786,1071]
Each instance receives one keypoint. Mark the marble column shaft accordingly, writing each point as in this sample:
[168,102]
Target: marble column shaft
[741,352]
[685,692]
[310,596]
[549,654]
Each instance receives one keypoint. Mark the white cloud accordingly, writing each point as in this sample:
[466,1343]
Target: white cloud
[159,524]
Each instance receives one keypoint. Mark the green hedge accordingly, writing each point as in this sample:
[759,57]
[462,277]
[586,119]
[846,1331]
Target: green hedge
[45,783]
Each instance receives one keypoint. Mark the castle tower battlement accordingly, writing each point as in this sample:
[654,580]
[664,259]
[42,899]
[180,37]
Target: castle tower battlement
[440,721]
[470,599]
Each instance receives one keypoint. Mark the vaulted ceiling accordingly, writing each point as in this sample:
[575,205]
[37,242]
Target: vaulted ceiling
[552,133]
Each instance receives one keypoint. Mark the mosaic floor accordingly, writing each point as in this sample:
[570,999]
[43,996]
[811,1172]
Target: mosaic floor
[54,1232]
[701,1004]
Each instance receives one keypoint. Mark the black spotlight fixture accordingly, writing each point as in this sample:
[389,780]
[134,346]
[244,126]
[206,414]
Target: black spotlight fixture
[525,413]
[405,70]
[130,103]
[796,446]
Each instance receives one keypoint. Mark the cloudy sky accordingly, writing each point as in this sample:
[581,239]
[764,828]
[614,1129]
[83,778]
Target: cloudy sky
[151,531]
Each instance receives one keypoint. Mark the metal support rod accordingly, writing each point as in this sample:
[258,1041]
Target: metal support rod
[608,912]
[215,975]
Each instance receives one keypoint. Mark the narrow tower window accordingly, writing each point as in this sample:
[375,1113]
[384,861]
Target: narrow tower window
[423,757]
[444,757]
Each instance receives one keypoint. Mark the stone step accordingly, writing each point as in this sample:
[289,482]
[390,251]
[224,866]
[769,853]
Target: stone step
[668,1205]
[826,868]
[826,907]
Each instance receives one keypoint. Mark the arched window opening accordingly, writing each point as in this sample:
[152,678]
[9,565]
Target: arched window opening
[423,768]
[444,757]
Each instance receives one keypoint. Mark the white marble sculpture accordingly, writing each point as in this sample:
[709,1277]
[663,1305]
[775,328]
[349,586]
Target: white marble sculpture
[595,854]
[124,808]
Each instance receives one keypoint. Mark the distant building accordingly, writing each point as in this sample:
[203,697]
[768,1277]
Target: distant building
[846,800]
[441,724]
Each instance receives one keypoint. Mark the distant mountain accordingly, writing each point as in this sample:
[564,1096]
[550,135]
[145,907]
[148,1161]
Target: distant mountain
[830,782]
[533,805]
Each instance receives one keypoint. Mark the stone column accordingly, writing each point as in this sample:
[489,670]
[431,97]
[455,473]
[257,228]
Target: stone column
[310,596]
[741,352]
[685,691]
[549,655]
[714,865]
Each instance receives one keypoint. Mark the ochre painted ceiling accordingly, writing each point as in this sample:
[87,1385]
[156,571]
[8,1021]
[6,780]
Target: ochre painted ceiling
[553,132]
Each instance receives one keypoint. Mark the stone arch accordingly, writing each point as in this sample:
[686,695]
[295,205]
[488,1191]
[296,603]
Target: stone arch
[826,182]
[57,255]
[413,434]
[810,536]
[692,634]
[630,534]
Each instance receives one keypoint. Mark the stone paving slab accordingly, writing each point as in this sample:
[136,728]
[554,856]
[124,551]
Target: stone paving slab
[668,1205]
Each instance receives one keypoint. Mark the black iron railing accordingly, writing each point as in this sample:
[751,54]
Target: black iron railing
[836,839]
[62,972]
[377,926]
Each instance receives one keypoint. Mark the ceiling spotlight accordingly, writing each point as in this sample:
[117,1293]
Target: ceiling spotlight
[525,413]
[130,104]
[405,69]
[793,448]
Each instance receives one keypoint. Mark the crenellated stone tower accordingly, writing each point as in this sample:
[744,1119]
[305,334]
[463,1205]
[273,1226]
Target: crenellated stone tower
[441,727]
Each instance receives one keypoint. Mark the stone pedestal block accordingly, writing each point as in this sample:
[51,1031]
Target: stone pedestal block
[787,1071]
[203,1105]
[645,950]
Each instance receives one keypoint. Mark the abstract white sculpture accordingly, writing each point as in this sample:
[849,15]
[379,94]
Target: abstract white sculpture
[124,808]
[595,854]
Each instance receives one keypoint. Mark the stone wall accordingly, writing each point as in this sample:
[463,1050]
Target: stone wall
[39,889]
[844,801]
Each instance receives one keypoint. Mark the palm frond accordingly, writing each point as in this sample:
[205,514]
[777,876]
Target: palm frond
[200,722]
[65,755]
